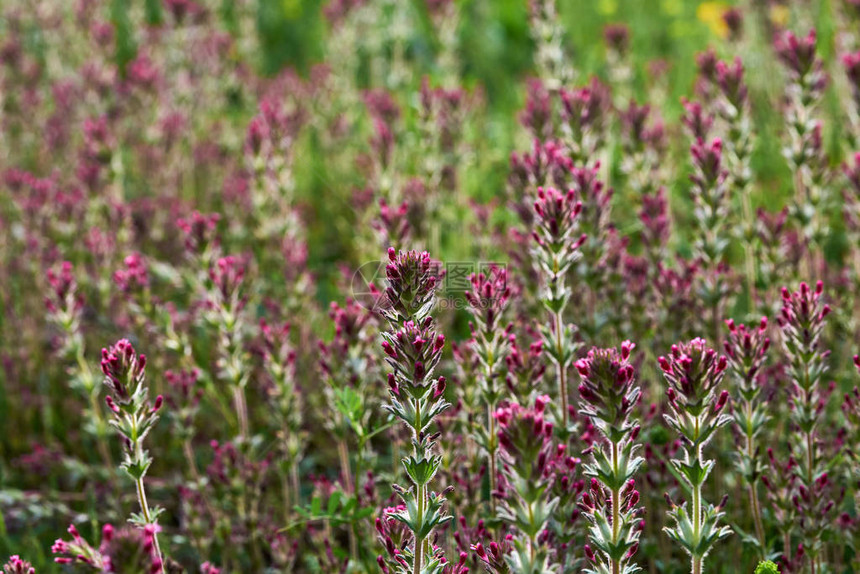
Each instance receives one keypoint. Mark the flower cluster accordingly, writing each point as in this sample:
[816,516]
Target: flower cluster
[802,322]
[133,418]
[746,349]
[556,250]
[413,349]
[694,373]
[527,453]
[609,392]
[125,550]
[16,565]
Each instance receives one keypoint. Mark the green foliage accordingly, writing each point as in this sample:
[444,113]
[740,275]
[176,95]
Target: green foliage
[766,567]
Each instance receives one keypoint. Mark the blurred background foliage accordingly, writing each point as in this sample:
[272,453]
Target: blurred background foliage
[496,57]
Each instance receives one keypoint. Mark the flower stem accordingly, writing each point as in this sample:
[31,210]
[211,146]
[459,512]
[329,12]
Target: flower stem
[754,500]
[420,495]
[144,509]
[189,457]
[697,513]
[241,411]
[616,508]
[419,541]
[562,382]
[491,423]
[346,474]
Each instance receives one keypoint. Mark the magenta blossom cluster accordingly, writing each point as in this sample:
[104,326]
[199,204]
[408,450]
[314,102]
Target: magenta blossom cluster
[802,322]
[694,373]
[609,394]
[488,298]
[16,565]
[413,348]
[746,349]
[126,550]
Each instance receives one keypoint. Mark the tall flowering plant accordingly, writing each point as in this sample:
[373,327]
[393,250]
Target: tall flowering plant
[710,193]
[802,321]
[65,309]
[133,418]
[556,250]
[527,502]
[224,310]
[746,349]
[487,299]
[804,91]
[413,347]
[694,373]
[609,393]
[733,107]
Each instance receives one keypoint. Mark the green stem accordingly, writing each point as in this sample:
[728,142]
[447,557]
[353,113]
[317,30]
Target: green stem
[420,495]
[697,512]
[419,541]
[241,411]
[754,500]
[616,508]
[343,454]
[147,517]
[189,457]
[562,382]
[491,422]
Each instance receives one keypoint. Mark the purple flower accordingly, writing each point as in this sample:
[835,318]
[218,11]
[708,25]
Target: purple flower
[200,231]
[17,566]
[412,282]
[608,388]
[134,276]
[693,371]
[617,38]
[798,54]
[124,369]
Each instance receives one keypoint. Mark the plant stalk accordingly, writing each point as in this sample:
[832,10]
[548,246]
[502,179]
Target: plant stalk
[562,382]
[144,509]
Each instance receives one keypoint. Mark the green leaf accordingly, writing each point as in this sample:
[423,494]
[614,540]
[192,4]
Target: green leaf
[333,502]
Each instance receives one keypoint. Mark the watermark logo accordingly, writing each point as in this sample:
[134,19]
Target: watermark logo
[368,282]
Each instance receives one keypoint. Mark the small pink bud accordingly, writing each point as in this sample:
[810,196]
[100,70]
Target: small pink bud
[111,404]
[721,402]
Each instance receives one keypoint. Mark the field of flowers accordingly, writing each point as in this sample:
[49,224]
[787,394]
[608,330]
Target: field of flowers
[430,286]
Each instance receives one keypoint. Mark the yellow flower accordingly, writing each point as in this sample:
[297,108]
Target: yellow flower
[711,13]
[607,7]
[779,15]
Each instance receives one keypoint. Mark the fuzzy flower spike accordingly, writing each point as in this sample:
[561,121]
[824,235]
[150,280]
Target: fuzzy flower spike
[802,322]
[487,300]
[694,373]
[557,249]
[746,349]
[609,393]
[133,418]
[413,348]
